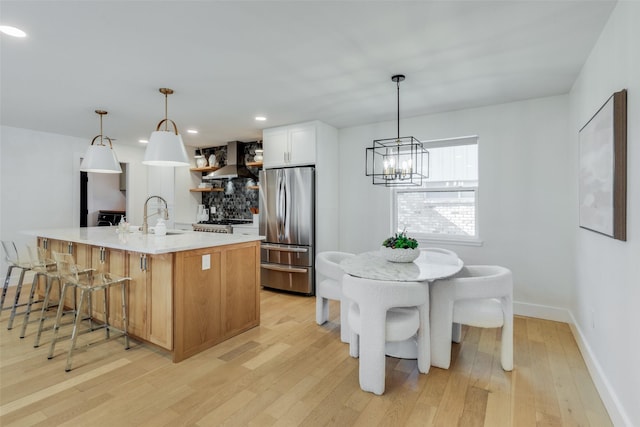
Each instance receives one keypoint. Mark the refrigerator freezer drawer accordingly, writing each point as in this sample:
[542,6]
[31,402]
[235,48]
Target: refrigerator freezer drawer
[287,278]
[291,255]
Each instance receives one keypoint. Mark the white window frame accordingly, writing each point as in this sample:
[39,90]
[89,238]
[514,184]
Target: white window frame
[436,238]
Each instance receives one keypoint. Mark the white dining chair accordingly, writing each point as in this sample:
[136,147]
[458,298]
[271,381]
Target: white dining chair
[442,253]
[329,287]
[480,296]
[384,311]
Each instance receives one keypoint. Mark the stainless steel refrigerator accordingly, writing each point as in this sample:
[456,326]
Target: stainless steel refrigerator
[287,219]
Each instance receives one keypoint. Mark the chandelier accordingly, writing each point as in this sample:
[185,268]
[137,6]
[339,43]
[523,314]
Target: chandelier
[399,161]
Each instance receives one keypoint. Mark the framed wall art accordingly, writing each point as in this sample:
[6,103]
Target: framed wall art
[602,185]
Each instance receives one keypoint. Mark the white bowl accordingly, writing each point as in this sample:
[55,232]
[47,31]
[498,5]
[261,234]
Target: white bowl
[399,255]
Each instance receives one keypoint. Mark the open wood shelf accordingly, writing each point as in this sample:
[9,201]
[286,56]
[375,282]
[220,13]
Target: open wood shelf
[254,164]
[253,187]
[205,190]
[205,169]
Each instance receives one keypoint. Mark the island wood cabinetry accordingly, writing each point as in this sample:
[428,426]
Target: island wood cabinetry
[150,297]
[183,301]
[219,297]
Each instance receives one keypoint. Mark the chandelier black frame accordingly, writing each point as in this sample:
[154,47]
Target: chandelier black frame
[397,162]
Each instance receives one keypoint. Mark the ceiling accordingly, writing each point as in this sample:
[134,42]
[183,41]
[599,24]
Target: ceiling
[229,61]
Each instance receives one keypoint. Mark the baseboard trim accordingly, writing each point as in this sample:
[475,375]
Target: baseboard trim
[607,393]
[542,312]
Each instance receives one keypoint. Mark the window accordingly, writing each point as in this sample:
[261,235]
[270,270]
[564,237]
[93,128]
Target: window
[445,207]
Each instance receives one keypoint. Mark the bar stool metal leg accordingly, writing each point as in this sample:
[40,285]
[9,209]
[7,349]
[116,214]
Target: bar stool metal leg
[105,313]
[45,307]
[74,334]
[125,320]
[27,313]
[56,326]
[7,279]
[16,302]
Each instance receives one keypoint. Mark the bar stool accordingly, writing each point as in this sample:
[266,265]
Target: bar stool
[41,267]
[13,259]
[72,278]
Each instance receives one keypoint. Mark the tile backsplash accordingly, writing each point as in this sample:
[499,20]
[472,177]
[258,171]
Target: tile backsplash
[239,195]
[235,201]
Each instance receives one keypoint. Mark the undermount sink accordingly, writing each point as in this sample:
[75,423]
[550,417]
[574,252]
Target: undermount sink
[169,232]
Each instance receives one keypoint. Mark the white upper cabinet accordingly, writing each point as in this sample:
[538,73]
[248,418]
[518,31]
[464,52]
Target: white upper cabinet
[293,145]
[310,143]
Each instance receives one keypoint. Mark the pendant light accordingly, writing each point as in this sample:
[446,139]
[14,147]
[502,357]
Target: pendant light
[165,148]
[99,157]
[397,162]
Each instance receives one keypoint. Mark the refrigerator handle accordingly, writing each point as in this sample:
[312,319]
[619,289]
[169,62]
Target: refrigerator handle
[286,220]
[278,267]
[280,205]
[283,248]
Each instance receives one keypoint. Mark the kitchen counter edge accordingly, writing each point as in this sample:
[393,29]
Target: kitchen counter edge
[108,237]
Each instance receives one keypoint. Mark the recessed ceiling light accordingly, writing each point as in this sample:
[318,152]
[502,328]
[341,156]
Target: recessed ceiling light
[143,141]
[192,131]
[261,118]
[12,31]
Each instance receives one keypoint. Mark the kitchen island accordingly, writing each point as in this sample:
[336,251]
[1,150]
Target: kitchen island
[188,292]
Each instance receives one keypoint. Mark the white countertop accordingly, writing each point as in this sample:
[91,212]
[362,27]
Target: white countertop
[144,243]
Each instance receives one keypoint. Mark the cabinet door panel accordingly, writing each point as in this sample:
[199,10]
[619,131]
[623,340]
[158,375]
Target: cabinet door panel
[197,302]
[137,303]
[240,288]
[115,259]
[100,265]
[42,282]
[82,256]
[302,145]
[160,299]
[276,150]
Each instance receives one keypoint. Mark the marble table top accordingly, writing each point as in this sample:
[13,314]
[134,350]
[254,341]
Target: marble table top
[427,267]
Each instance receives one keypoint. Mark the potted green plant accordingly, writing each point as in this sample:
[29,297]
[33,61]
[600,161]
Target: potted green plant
[400,248]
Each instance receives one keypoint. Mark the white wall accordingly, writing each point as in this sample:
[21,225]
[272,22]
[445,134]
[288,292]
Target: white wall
[526,208]
[40,185]
[608,271]
[186,202]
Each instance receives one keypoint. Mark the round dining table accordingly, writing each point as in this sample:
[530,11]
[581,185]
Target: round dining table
[429,266]
[432,264]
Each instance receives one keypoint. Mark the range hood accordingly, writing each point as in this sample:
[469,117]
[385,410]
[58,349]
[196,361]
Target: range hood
[235,167]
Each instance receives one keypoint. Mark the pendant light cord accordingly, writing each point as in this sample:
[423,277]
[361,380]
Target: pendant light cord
[101,143]
[166,112]
[398,85]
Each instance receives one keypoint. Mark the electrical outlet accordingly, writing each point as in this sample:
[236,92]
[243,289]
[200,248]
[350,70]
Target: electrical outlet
[206,262]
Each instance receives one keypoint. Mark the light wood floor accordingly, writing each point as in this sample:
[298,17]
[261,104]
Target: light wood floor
[290,371]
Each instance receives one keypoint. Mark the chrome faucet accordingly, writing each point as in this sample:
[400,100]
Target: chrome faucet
[145,224]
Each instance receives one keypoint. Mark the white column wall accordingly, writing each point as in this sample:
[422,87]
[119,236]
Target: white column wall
[608,271]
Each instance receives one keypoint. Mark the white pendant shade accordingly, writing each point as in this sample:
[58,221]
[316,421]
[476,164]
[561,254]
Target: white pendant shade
[100,159]
[165,149]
